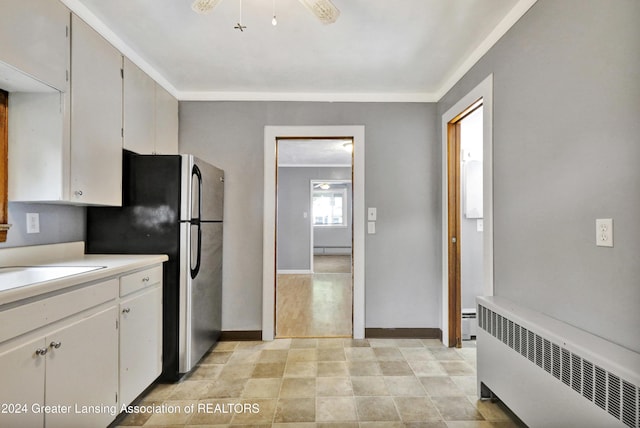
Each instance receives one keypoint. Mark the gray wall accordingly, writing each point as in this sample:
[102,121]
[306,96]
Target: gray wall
[293,233]
[566,151]
[403,264]
[58,223]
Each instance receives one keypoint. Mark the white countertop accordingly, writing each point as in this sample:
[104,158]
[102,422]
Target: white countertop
[63,255]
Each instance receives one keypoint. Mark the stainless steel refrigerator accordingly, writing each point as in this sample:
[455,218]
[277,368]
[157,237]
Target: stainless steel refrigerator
[172,204]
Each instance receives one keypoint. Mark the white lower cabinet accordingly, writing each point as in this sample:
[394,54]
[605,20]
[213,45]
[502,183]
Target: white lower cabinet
[140,342]
[75,358]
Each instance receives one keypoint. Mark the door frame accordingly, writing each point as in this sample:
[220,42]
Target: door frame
[483,91]
[271,135]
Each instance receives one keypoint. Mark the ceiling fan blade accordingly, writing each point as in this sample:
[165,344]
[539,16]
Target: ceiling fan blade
[326,12]
[204,6]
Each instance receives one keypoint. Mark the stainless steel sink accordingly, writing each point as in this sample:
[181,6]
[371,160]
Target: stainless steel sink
[20,276]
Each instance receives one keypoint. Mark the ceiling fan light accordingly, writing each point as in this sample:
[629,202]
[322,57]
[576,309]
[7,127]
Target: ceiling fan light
[204,6]
[326,12]
[325,186]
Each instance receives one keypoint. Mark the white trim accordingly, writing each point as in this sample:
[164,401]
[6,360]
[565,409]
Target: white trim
[485,91]
[295,272]
[359,216]
[500,30]
[409,97]
[317,165]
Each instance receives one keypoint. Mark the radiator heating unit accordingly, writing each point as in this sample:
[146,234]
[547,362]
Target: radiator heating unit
[551,374]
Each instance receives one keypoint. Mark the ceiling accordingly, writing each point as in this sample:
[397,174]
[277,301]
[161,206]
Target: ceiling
[378,50]
[314,152]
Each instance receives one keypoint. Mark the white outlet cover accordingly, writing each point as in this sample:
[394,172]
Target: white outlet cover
[372,214]
[33,223]
[604,232]
[371,227]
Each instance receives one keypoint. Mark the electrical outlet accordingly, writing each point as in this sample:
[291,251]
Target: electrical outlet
[372,214]
[371,228]
[33,223]
[604,232]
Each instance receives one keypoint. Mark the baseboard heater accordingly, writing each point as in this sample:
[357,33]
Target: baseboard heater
[551,374]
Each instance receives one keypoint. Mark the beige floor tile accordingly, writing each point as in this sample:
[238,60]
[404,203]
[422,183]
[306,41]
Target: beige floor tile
[360,354]
[417,354]
[268,370]
[244,356]
[409,343]
[364,368]
[212,412]
[331,354]
[177,417]
[457,368]
[337,425]
[445,354]
[206,371]
[273,356]
[356,343]
[225,346]
[295,410]
[278,344]
[433,343]
[301,369]
[216,357]
[331,343]
[404,386]
[489,410]
[262,388]
[387,424]
[298,387]
[138,418]
[290,425]
[265,409]
[336,409]
[427,368]
[456,409]
[237,371]
[395,368]
[190,390]
[304,354]
[469,384]
[160,392]
[416,409]
[332,369]
[469,424]
[225,388]
[255,345]
[376,409]
[425,425]
[333,387]
[388,354]
[438,386]
[376,343]
[369,386]
[304,343]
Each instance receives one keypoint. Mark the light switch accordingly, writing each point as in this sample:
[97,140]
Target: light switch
[371,227]
[372,214]
[33,223]
[604,232]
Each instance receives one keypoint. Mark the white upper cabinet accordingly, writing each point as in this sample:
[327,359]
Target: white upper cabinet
[34,40]
[139,100]
[96,118]
[166,122]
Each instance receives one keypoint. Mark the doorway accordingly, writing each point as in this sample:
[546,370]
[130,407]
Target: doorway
[467,211]
[314,238]
[271,135]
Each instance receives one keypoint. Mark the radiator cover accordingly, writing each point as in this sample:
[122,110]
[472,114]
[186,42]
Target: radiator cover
[552,374]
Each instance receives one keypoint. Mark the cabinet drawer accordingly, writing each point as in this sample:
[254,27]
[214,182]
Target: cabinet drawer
[27,317]
[139,280]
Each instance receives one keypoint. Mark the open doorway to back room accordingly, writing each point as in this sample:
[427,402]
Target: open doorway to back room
[314,238]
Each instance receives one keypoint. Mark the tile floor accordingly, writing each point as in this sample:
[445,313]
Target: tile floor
[327,383]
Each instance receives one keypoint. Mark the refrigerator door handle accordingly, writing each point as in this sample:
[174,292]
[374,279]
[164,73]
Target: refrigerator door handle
[196,172]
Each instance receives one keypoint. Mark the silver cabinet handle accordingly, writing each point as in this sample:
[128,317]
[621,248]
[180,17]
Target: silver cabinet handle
[78,192]
[41,351]
[126,310]
[145,279]
[55,345]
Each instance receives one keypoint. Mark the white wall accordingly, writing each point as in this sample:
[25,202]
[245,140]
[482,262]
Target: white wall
[566,142]
[403,263]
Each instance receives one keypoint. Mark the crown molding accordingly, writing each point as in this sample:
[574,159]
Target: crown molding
[309,96]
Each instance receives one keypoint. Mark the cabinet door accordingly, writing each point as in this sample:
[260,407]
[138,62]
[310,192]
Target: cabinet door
[83,371]
[140,342]
[139,100]
[33,36]
[22,374]
[166,122]
[96,118]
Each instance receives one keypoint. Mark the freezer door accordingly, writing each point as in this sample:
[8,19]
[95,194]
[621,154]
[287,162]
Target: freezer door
[202,191]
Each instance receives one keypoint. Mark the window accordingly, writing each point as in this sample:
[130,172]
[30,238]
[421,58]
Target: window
[330,207]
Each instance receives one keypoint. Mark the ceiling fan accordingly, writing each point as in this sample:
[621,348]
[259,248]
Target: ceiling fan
[324,10]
